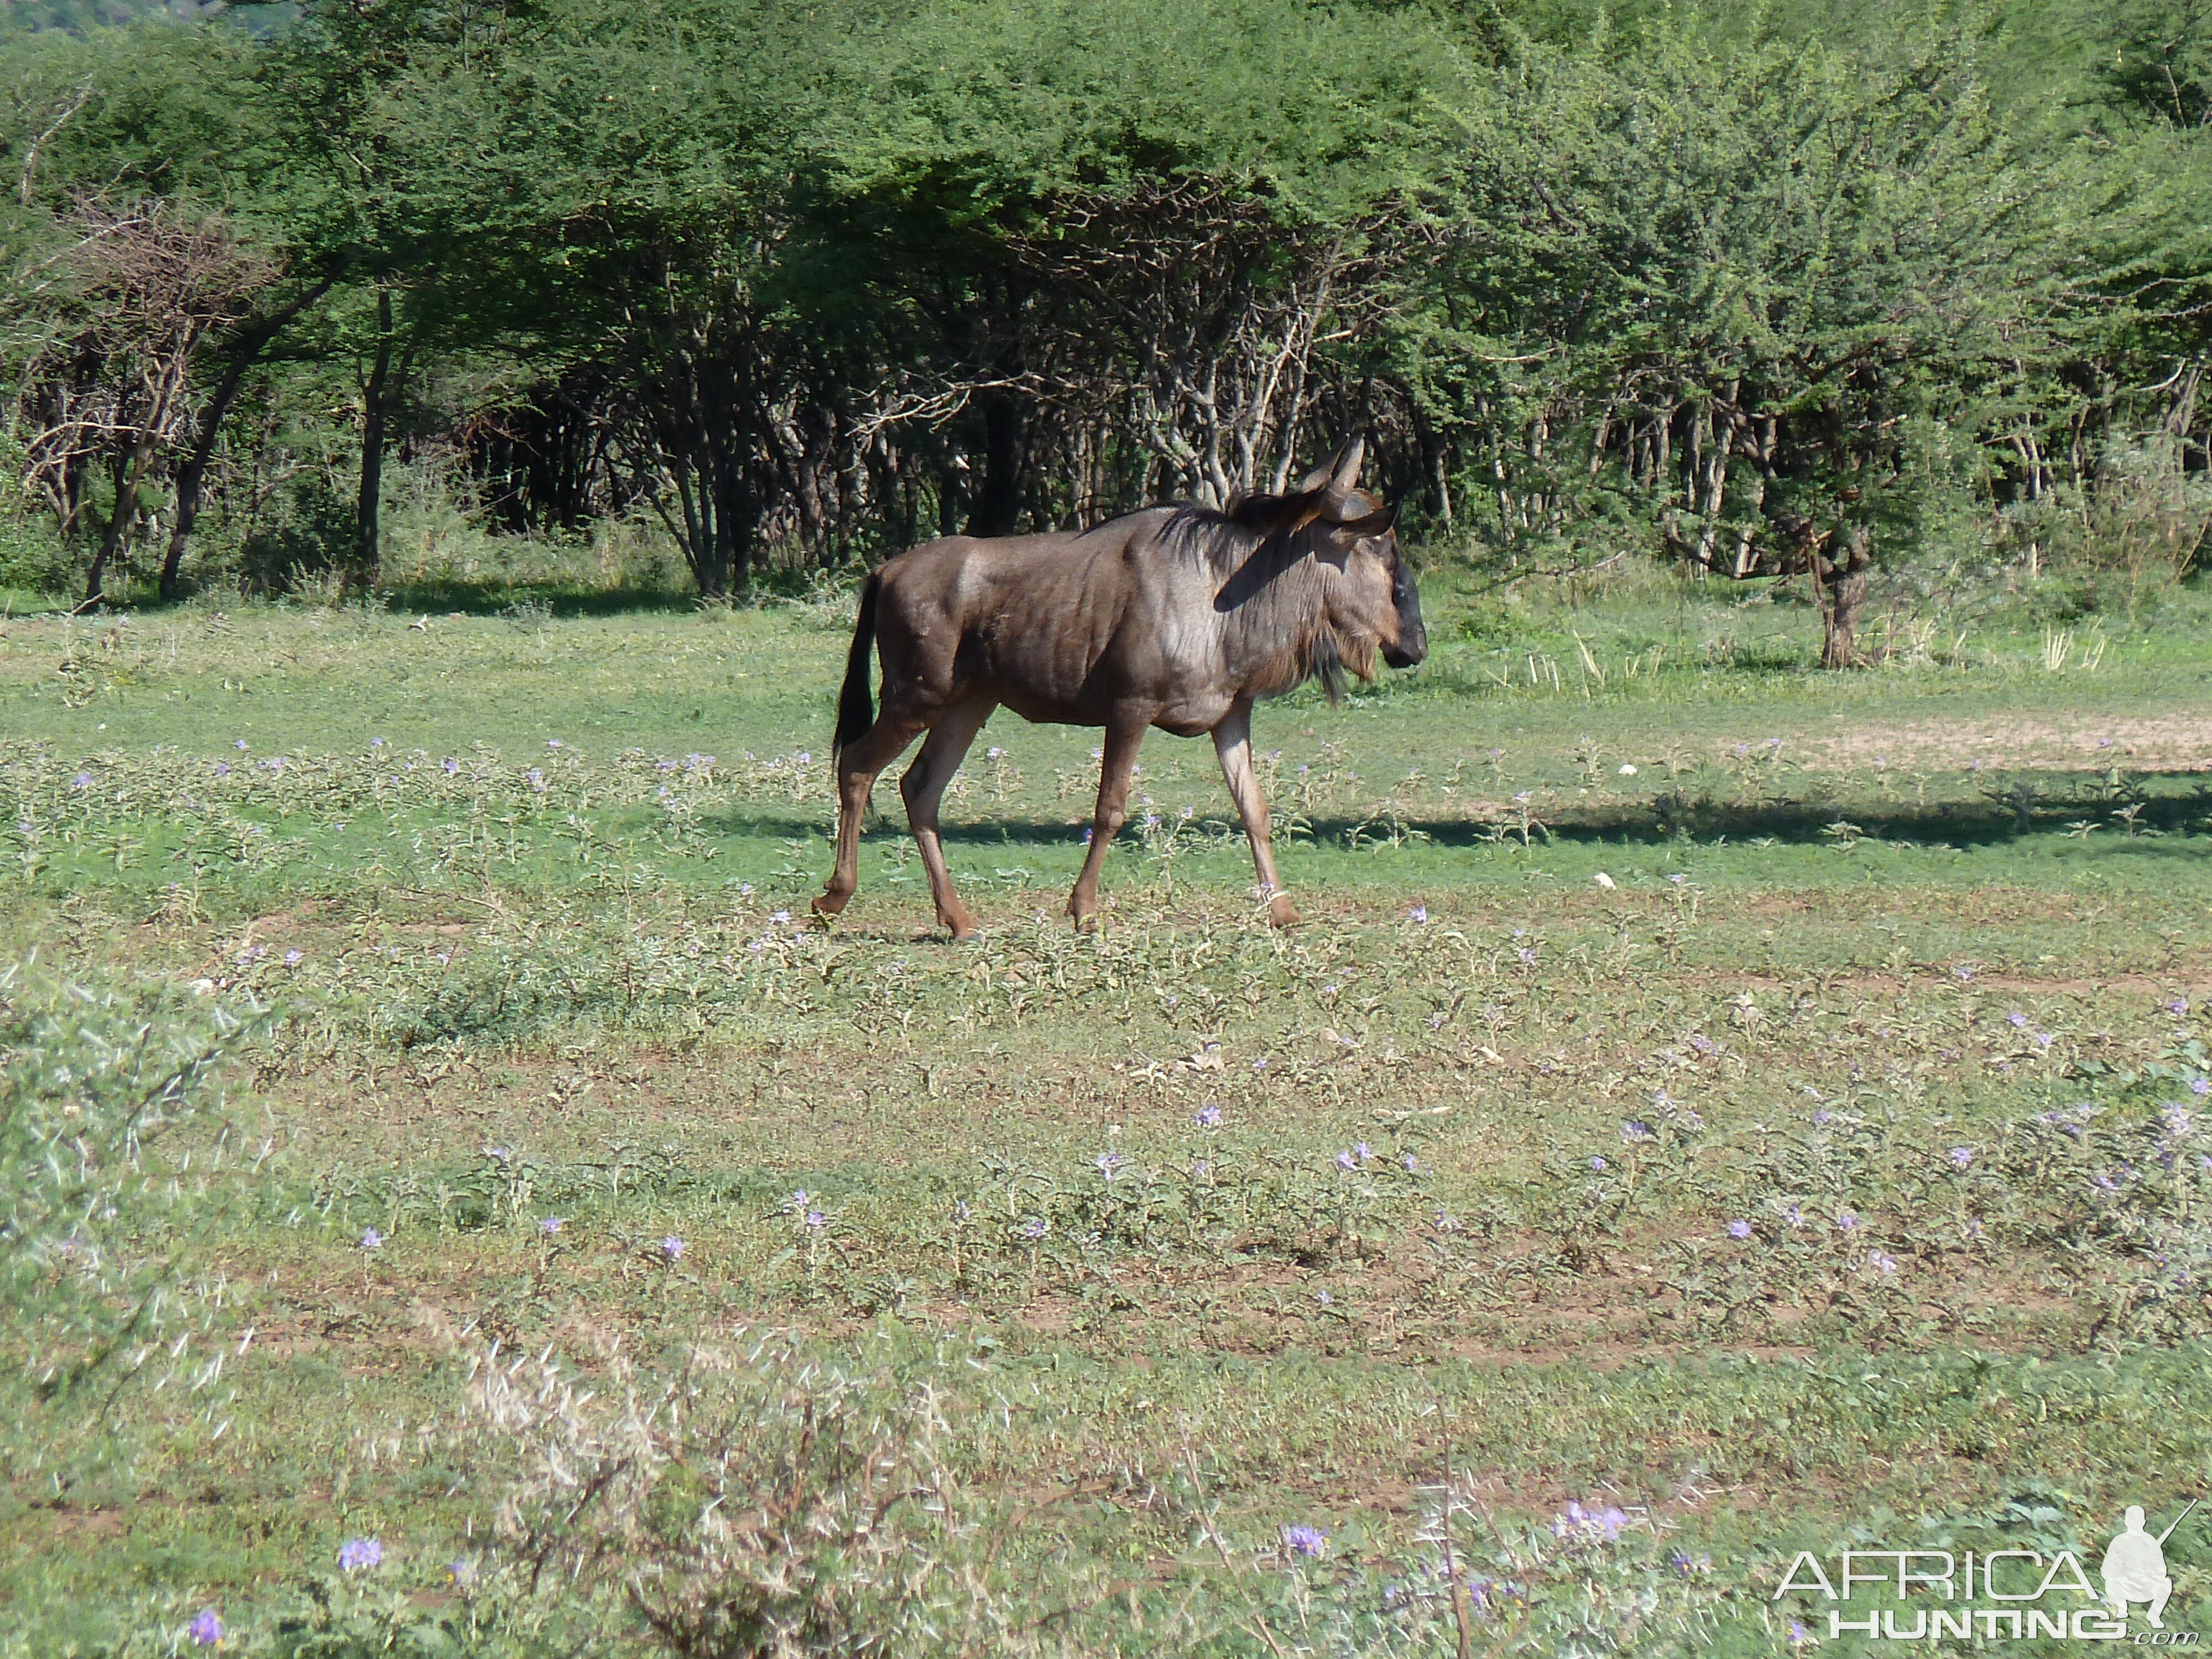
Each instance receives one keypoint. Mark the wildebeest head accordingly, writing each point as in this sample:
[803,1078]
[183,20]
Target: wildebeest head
[1373,596]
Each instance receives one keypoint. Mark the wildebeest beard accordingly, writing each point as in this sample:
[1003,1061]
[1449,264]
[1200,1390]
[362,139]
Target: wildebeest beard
[1265,550]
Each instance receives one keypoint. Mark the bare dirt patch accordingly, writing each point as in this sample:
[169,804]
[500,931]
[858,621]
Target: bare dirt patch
[2160,743]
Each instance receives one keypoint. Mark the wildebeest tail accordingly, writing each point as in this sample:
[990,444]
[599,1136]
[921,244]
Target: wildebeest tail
[856,710]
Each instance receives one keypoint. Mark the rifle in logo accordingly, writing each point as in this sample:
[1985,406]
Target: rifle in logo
[2134,1567]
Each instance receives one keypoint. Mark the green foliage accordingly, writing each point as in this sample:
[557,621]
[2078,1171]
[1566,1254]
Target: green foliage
[798,285]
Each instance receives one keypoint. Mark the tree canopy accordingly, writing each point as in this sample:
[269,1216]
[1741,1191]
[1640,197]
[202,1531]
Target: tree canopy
[1759,289]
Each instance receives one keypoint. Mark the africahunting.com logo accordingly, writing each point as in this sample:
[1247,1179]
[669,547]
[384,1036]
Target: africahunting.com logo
[2000,1593]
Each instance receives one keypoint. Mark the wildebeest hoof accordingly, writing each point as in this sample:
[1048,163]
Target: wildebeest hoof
[830,904]
[1281,913]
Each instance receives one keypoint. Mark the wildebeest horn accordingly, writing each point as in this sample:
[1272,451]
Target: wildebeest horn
[1347,469]
[1338,474]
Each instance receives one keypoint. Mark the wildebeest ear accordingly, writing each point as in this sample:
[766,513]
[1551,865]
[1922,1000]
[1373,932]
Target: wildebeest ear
[1382,518]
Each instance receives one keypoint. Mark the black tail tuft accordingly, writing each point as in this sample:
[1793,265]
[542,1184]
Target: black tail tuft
[856,710]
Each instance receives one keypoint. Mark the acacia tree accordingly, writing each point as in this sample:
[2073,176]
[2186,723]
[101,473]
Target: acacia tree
[138,287]
[1765,297]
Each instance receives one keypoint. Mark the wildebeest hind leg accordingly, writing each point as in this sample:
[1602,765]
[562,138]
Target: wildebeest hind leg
[1232,742]
[858,763]
[923,786]
[1119,755]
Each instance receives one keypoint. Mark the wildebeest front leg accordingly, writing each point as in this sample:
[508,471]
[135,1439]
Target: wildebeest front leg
[858,763]
[1232,742]
[1120,755]
[923,786]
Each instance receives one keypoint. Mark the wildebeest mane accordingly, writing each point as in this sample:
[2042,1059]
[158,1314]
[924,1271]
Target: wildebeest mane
[1270,591]
[1226,540]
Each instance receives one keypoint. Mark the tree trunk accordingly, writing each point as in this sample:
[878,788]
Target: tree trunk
[999,501]
[368,547]
[244,353]
[1844,581]
[127,469]
[737,524]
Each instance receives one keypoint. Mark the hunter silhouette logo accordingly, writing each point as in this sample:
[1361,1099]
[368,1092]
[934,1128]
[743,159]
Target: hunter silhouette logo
[2018,1593]
[2134,1567]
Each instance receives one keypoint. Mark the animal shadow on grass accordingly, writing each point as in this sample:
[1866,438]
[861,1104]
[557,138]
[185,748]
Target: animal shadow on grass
[1986,822]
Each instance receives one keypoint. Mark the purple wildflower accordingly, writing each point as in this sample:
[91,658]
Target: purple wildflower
[1739,1230]
[1108,1164]
[1209,1117]
[1962,1156]
[1607,1523]
[1963,972]
[292,959]
[1846,1221]
[2200,1087]
[673,1247]
[82,781]
[1633,1132]
[1886,1262]
[222,768]
[1419,913]
[549,1225]
[206,1630]
[1304,1540]
[2017,1020]
[371,1239]
[1345,1160]
[357,1553]
[1598,1164]
[816,1219]
[536,778]
[1037,1228]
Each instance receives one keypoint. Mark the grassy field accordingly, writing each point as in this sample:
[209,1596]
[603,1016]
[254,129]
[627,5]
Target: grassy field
[1713,1109]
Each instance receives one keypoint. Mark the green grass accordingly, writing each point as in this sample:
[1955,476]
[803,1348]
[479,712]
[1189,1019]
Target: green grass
[1853,922]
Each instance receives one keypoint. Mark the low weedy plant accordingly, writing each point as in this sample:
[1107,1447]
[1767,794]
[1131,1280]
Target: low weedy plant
[109,1195]
[1683,1124]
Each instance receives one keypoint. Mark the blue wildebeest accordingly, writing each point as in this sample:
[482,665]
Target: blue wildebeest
[1181,617]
